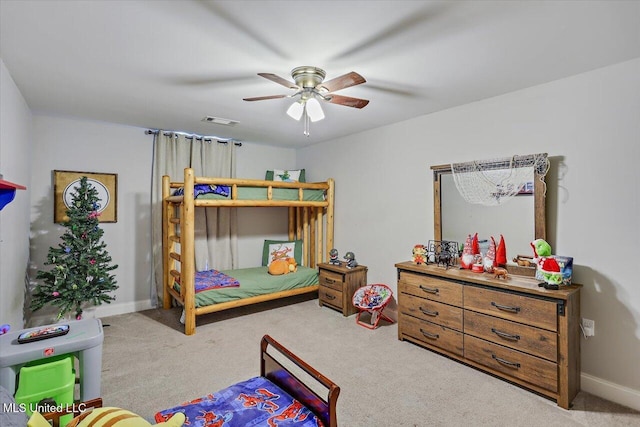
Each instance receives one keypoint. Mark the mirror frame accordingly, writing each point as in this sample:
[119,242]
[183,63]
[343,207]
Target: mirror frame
[539,204]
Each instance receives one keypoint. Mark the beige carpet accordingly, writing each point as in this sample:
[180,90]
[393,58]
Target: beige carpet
[149,365]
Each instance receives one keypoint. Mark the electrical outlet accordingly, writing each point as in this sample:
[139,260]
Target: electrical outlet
[588,327]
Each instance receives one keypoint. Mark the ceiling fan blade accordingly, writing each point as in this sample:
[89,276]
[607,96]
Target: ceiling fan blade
[348,101]
[262,98]
[279,80]
[344,81]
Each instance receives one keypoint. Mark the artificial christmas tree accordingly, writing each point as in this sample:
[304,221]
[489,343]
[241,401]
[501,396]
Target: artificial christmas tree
[81,263]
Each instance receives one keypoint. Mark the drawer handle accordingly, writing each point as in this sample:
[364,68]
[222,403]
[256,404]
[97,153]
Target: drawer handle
[506,362]
[429,290]
[429,335]
[506,307]
[330,297]
[428,312]
[326,279]
[505,335]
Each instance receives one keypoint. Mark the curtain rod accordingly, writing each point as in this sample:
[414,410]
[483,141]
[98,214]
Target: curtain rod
[197,137]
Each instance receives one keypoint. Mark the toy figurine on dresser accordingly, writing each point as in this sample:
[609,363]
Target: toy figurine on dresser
[553,270]
[333,257]
[351,260]
[469,252]
[419,254]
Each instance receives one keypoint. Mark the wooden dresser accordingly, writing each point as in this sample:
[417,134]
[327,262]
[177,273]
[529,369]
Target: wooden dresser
[338,284]
[510,328]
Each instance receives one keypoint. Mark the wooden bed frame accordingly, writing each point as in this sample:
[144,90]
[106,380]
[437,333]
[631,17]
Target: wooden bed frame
[310,221]
[315,392]
[270,367]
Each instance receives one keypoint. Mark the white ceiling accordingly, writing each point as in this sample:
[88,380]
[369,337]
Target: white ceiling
[167,64]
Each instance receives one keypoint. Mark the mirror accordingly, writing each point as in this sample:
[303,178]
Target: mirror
[521,219]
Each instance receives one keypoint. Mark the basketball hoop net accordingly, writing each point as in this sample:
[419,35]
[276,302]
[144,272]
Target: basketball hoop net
[494,182]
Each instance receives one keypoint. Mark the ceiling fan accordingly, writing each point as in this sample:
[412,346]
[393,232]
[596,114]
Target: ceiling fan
[311,87]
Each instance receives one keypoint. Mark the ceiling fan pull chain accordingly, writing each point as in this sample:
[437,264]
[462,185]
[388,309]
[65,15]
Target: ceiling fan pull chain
[306,122]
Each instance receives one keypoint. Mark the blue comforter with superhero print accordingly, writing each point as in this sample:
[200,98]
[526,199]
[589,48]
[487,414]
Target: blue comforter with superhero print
[254,402]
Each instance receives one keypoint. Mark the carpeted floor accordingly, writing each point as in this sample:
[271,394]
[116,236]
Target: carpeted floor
[149,365]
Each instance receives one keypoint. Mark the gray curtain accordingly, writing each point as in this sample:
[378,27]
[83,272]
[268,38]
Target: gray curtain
[215,228]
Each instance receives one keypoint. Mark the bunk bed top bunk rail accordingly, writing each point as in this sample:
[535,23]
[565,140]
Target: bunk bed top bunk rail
[235,192]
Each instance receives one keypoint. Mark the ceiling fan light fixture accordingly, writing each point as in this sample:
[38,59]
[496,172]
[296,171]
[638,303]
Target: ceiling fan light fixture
[310,85]
[295,110]
[314,110]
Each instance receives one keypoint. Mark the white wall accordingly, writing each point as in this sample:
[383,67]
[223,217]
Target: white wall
[589,124]
[16,140]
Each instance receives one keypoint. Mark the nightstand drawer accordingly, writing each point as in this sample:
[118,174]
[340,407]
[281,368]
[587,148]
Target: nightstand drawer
[431,288]
[536,341]
[528,310]
[432,334]
[431,311]
[528,368]
[330,296]
[331,279]
[338,284]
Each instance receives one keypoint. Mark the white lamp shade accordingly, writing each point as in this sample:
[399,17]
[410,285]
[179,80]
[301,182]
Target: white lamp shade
[295,111]
[314,110]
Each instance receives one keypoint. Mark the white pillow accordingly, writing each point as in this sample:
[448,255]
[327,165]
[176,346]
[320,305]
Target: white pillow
[280,251]
[286,175]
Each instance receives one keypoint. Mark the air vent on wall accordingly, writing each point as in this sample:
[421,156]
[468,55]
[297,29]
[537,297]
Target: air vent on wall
[220,121]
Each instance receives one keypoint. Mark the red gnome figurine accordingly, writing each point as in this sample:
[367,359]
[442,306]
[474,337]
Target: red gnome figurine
[468,257]
[501,253]
[490,257]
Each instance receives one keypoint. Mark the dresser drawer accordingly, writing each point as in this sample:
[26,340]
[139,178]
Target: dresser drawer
[431,288]
[431,311]
[330,296]
[432,334]
[525,367]
[331,279]
[528,339]
[527,310]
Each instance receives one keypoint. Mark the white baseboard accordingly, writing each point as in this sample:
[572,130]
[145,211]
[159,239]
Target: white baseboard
[103,310]
[611,391]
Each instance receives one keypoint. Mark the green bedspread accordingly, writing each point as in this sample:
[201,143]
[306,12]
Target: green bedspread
[256,281]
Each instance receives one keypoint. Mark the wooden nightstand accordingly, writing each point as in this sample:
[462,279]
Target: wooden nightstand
[338,284]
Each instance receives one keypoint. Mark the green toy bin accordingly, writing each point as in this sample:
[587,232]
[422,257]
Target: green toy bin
[53,378]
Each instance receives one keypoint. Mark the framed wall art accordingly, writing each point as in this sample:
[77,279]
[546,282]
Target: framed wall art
[65,183]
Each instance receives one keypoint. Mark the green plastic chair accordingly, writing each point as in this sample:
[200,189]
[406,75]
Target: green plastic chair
[52,378]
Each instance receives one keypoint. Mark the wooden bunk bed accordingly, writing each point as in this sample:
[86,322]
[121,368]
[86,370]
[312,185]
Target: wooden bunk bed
[310,210]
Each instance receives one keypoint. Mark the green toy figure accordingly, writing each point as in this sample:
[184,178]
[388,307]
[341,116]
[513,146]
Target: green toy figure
[547,268]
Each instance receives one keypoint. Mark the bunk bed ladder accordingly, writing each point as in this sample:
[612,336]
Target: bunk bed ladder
[170,237]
